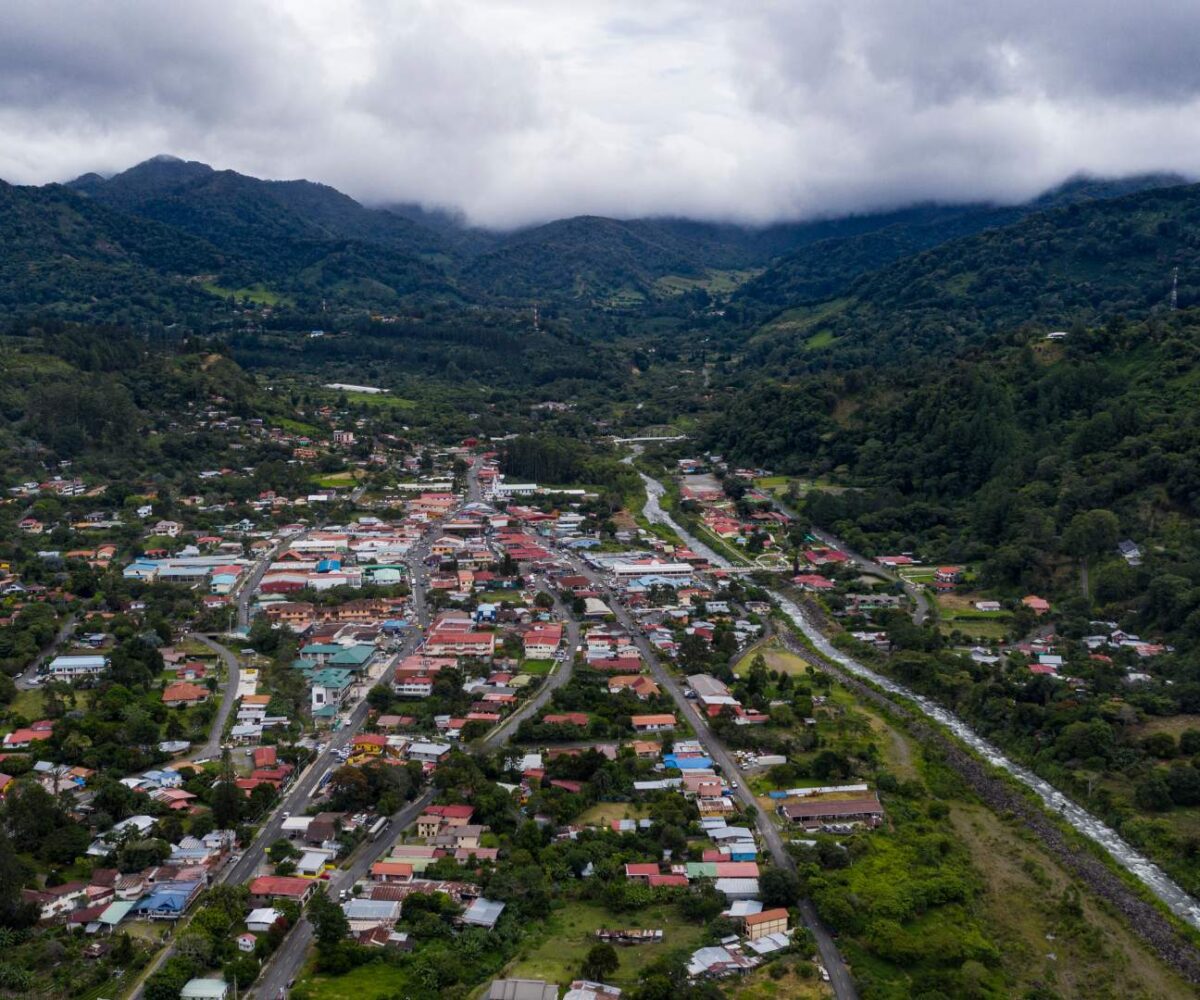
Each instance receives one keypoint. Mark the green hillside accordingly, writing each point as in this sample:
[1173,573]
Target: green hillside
[65,255]
[1074,264]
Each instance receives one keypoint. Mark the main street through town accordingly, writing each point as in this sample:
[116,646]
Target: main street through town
[297,797]
[288,961]
[839,974]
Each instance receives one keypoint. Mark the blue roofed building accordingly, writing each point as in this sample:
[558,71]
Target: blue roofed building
[167,900]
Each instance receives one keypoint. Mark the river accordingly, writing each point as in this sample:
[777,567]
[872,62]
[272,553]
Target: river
[1154,878]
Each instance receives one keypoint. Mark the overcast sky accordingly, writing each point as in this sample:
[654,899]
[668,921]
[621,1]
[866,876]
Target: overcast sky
[526,110]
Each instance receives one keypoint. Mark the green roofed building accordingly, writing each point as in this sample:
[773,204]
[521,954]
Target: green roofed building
[321,652]
[352,657]
[329,688]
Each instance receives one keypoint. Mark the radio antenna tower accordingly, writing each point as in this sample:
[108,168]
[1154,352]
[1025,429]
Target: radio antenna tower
[1174,288]
[535,318]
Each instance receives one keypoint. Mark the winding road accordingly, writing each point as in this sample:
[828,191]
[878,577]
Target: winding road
[1177,900]
[24,680]
[840,978]
[288,961]
[228,699]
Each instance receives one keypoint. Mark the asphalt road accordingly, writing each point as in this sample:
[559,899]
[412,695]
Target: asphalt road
[23,680]
[250,584]
[562,673]
[298,796]
[917,593]
[840,978]
[233,677]
[285,965]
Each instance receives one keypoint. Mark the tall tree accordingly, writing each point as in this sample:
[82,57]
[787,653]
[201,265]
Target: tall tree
[227,797]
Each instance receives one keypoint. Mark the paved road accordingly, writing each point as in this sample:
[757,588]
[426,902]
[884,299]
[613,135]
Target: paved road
[474,490]
[914,591]
[298,796]
[249,585]
[234,675]
[24,680]
[840,978]
[562,673]
[285,965]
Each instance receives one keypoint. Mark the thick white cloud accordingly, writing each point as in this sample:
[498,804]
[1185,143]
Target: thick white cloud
[523,110]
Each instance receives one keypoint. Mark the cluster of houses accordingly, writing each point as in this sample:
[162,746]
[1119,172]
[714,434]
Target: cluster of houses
[159,892]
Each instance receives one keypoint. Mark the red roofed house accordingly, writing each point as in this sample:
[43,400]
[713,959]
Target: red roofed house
[453,643]
[1038,605]
[759,925]
[567,719]
[265,889]
[812,581]
[391,871]
[33,733]
[542,641]
[669,880]
[737,869]
[453,815]
[652,723]
[183,693]
[641,685]
[616,664]
[641,871]
[948,574]
[824,556]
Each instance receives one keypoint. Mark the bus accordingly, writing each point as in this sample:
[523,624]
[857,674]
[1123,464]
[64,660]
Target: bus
[377,828]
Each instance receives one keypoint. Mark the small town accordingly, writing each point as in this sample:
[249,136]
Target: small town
[530,501]
[300,738]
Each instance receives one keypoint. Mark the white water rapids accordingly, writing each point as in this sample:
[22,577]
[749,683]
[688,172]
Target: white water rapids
[1163,886]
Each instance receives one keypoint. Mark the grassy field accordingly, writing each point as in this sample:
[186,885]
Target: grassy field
[374,981]
[333,480]
[776,656]
[1021,889]
[957,611]
[803,318]
[799,981]
[258,294]
[297,426]
[539,668]
[715,282]
[380,399]
[556,953]
[1098,957]
[29,703]
[1173,724]
[820,340]
[606,812]
[500,596]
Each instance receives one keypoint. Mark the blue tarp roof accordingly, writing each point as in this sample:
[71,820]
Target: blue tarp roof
[687,763]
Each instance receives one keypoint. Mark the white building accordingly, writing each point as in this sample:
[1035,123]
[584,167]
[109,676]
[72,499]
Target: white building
[68,668]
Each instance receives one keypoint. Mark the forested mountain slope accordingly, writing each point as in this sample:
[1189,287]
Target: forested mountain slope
[295,236]
[989,458]
[1078,263]
[828,266]
[66,255]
